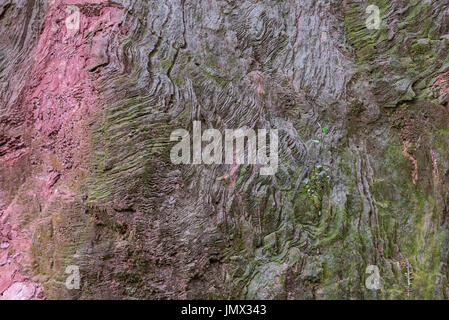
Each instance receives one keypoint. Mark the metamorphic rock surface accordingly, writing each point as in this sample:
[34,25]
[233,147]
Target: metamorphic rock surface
[85,172]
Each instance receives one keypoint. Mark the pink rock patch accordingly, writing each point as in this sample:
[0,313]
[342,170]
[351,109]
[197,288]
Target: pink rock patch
[60,97]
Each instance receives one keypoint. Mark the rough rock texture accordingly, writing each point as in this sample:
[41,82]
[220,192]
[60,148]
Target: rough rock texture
[85,171]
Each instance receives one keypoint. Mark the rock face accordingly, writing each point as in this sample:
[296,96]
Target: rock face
[91,90]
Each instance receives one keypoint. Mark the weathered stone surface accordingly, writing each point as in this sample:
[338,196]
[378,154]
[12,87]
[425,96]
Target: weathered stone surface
[85,171]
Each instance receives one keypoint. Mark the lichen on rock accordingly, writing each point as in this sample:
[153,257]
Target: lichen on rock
[85,171]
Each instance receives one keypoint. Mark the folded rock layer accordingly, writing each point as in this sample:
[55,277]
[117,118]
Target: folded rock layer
[91,90]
